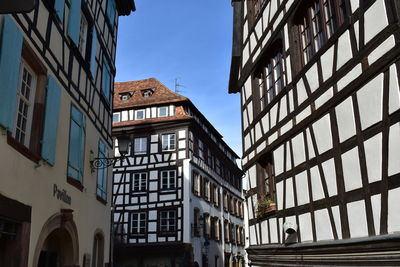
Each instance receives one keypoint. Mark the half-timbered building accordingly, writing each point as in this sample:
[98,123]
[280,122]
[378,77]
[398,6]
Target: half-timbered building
[56,79]
[320,107]
[177,196]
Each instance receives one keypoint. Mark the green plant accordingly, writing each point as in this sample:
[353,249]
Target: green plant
[264,205]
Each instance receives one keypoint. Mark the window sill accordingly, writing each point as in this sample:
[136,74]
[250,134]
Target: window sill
[101,200]
[22,149]
[75,183]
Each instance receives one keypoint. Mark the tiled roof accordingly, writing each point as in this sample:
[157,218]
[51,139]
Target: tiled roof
[161,94]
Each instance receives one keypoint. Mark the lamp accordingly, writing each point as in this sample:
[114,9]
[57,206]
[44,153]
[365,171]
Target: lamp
[124,141]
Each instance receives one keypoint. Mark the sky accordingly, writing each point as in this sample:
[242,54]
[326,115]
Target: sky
[186,39]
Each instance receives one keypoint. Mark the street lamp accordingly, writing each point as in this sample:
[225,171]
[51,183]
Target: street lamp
[124,141]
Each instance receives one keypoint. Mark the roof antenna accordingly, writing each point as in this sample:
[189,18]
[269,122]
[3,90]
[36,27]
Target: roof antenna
[177,85]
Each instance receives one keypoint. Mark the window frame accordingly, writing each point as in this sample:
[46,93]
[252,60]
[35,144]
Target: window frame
[138,227]
[30,103]
[169,185]
[166,112]
[304,21]
[270,76]
[119,117]
[169,144]
[139,182]
[140,152]
[168,231]
[137,112]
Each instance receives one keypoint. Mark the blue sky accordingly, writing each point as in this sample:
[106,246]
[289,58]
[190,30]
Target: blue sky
[186,39]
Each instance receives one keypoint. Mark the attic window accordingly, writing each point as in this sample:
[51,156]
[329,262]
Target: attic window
[147,93]
[125,97]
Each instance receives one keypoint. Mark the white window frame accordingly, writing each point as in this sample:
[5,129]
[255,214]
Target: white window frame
[167,181]
[28,102]
[166,142]
[140,142]
[166,222]
[140,110]
[139,182]
[166,111]
[119,117]
[141,222]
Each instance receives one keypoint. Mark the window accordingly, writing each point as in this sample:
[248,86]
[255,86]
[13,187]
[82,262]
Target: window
[226,231]
[139,182]
[201,147]
[76,145]
[265,179]
[216,228]
[162,111]
[167,223]
[207,193]
[317,22]
[216,195]
[168,180]
[196,222]
[270,76]
[83,35]
[102,173]
[106,80]
[116,117]
[207,225]
[147,93]
[140,114]
[25,104]
[111,11]
[168,142]
[138,226]
[225,201]
[125,96]
[98,250]
[140,145]
[196,183]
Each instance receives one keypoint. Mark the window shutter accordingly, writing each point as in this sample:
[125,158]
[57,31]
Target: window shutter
[10,58]
[111,11]
[102,173]
[93,50]
[76,145]
[74,21]
[106,80]
[59,8]
[49,139]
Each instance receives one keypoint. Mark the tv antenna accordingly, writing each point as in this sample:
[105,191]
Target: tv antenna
[177,85]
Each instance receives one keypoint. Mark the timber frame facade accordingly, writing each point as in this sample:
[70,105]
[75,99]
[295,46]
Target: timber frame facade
[57,65]
[179,189]
[320,102]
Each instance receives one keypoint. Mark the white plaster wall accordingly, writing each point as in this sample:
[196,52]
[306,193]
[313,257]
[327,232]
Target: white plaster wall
[357,219]
[373,156]
[370,102]
[351,170]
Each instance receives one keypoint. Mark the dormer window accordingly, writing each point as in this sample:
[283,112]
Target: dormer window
[163,112]
[125,96]
[147,93]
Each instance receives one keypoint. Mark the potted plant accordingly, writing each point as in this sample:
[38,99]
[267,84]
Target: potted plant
[264,206]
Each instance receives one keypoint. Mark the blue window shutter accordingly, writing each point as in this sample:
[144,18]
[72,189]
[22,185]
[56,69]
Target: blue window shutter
[49,141]
[93,51]
[59,8]
[111,10]
[74,20]
[10,59]
[106,81]
[76,144]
